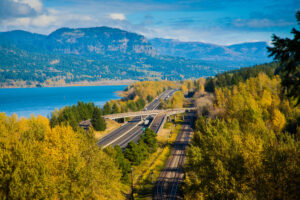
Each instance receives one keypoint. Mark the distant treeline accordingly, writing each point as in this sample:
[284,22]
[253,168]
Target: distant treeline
[137,96]
[236,76]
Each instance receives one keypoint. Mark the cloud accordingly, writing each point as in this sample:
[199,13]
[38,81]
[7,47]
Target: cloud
[15,9]
[34,4]
[43,20]
[117,16]
[188,20]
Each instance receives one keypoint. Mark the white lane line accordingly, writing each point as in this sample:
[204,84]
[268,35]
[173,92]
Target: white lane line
[122,134]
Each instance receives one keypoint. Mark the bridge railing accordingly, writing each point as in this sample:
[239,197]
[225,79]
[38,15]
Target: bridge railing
[148,112]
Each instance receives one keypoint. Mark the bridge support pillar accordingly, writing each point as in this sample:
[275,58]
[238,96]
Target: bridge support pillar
[182,117]
[142,118]
[175,117]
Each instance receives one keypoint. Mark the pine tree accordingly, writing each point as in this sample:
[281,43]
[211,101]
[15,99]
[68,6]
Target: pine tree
[98,121]
[287,52]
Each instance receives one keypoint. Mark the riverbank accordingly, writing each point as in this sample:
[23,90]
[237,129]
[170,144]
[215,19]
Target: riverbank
[22,84]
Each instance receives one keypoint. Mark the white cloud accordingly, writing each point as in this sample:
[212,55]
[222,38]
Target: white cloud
[43,20]
[35,4]
[117,16]
[21,21]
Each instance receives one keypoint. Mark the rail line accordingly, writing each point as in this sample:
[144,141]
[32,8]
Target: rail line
[166,186]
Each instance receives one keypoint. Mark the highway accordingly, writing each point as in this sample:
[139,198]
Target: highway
[157,121]
[167,184]
[132,129]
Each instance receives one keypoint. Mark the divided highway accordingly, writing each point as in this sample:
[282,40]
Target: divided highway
[132,129]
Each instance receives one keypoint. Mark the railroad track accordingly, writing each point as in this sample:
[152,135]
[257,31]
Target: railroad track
[167,184]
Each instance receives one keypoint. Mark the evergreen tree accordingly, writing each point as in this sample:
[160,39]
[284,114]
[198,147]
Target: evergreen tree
[133,153]
[107,109]
[287,52]
[98,121]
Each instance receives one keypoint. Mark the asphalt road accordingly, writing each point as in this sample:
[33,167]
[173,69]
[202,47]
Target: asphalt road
[132,129]
[167,184]
[157,122]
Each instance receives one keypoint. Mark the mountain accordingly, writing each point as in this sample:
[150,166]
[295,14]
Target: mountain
[89,54]
[81,41]
[93,54]
[244,54]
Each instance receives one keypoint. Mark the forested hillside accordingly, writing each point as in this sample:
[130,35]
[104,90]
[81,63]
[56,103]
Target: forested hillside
[246,146]
[94,54]
[246,153]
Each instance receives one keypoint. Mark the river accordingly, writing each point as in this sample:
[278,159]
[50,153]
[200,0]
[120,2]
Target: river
[42,101]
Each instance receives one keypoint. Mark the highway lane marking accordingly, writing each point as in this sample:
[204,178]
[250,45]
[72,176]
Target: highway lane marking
[111,134]
[130,138]
[122,134]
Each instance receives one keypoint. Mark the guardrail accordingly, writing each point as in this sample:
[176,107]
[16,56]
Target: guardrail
[167,112]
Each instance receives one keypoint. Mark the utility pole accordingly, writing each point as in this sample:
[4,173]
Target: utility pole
[152,177]
[132,197]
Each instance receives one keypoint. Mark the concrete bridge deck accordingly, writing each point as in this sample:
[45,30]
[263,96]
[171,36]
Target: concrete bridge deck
[167,112]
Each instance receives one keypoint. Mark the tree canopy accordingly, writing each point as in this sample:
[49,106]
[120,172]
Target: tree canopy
[97,120]
[287,52]
[246,152]
[40,162]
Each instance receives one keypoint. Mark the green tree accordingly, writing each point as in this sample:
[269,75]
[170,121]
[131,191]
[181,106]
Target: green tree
[107,108]
[287,52]
[210,85]
[98,121]
[149,138]
[133,153]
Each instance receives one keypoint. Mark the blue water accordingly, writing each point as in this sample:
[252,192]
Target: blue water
[42,101]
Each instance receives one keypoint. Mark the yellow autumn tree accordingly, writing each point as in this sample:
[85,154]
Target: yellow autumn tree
[39,162]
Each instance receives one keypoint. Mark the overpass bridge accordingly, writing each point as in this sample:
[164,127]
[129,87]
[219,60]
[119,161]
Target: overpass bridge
[166,112]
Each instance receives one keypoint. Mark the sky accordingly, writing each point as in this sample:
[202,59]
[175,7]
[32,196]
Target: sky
[220,22]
